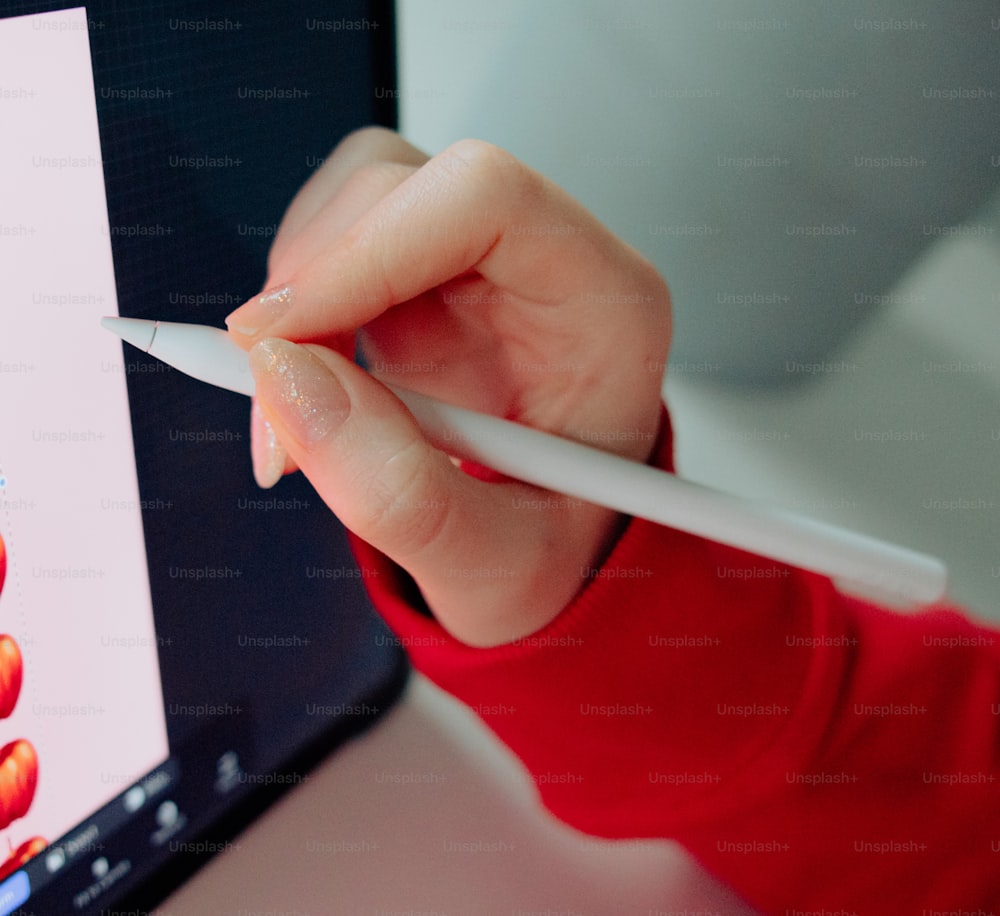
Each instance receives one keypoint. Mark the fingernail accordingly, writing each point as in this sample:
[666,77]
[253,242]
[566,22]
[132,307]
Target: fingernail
[299,389]
[266,452]
[254,316]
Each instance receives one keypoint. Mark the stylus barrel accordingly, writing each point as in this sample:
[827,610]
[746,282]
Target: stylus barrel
[877,568]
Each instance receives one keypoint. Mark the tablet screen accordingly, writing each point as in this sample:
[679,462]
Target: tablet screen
[152,675]
[75,602]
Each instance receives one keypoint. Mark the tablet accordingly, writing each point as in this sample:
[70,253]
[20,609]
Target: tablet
[177,647]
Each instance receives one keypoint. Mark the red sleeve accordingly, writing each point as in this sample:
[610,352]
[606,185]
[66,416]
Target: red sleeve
[814,752]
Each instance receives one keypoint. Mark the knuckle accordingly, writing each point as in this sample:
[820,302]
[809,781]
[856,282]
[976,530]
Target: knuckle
[659,291]
[374,179]
[651,309]
[362,140]
[479,154]
[374,144]
[407,511]
[490,167]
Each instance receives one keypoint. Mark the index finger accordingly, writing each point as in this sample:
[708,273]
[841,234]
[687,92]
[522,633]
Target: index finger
[475,208]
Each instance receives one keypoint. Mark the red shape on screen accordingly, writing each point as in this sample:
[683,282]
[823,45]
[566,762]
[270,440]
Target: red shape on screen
[27,850]
[11,674]
[18,780]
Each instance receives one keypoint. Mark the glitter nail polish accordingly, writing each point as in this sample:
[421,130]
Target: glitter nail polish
[257,314]
[299,389]
[267,453]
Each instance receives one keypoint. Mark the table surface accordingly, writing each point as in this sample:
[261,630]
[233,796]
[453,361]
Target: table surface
[427,813]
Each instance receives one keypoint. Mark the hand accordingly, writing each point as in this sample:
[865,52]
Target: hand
[470,278]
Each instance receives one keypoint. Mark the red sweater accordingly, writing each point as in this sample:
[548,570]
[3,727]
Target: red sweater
[814,752]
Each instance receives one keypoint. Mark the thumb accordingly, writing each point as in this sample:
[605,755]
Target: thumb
[369,461]
[361,451]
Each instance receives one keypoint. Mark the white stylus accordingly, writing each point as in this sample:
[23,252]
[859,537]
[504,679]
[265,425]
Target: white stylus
[855,561]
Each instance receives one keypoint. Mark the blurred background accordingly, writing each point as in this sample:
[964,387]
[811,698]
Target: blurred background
[818,184]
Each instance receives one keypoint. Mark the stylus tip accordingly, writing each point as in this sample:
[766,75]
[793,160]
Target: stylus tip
[136,331]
